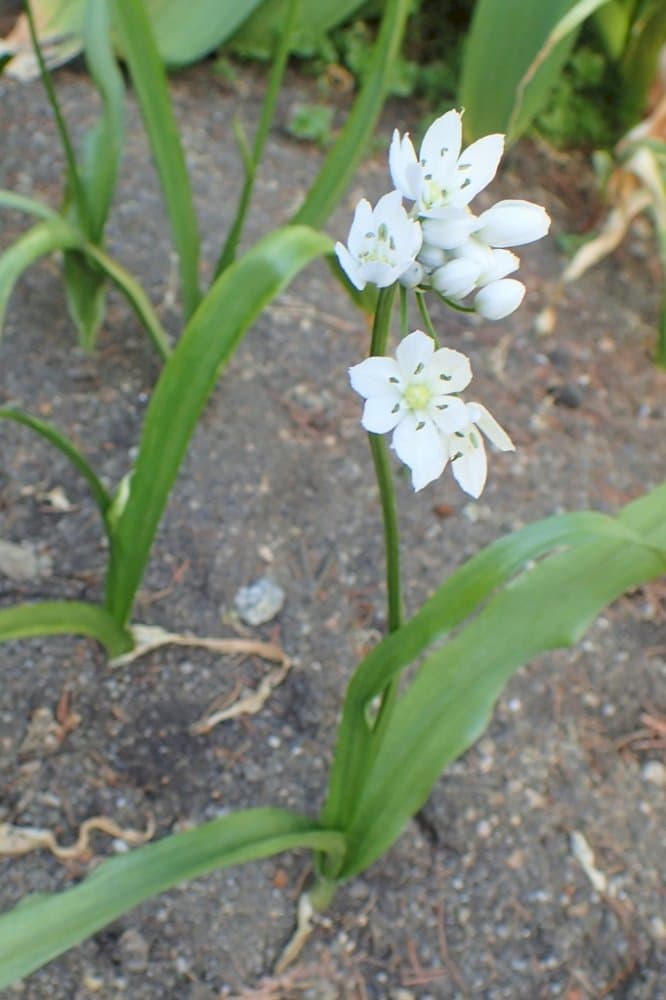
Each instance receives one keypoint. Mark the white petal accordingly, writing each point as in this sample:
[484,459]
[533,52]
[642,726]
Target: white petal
[431,257]
[362,224]
[382,274]
[478,165]
[451,227]
[503,262]
[389,209]
[382,413]
[402,160]
[471,467]
[486,421]
[448,371]
[476,250]
[413,276]
[413,350]
[456,279]
[453,417]
[350,266]
[441,143]
[511,223]
[373,377]
[420,446]
[499,298]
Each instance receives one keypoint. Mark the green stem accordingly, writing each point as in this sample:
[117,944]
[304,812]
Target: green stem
[425,316]
[378,346]
[404,312]
[228,253]
[75,187]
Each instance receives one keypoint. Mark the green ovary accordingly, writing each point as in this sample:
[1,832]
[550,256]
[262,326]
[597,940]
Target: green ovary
[417,397]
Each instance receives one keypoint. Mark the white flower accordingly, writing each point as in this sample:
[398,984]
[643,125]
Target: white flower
[467,450]
[512,223]
[383,243]
[411,397]
[443,177]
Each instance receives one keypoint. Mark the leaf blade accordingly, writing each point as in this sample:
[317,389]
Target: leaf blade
[38,930]
[25,621]
[232,304]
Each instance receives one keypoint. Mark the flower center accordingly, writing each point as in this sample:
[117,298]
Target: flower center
[417,397]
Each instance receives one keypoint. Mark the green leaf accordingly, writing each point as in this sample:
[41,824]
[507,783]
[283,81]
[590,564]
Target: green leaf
[150,83]
[42,239]
[521,46]
[340,165]
[26,621]
[20,203]
[232,304]
[86,297]
[63,444]
[134,294]
[38,929]
[460,596]
[182,40]
[449,703]
[103,144]
[57,234]
[258,34]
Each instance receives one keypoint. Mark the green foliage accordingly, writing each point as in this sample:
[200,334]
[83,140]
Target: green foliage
[149,79]
[41,927]
[234,301]
[311,123]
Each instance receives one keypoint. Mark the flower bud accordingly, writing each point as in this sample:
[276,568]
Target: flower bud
[499,298]
[511,223]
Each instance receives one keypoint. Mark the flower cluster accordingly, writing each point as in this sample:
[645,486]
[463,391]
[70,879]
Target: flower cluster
[415,396]
[440,243]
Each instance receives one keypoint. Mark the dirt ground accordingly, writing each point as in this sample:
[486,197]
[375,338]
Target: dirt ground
[483,895]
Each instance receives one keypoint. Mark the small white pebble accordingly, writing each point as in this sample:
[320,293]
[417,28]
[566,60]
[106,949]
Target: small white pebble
[655,772]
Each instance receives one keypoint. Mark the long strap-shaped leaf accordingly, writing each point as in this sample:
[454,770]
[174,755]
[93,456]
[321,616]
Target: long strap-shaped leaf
[230,307]
[40,928]
[448,704]
[25,621]
[63,444]
[21,203]
[152,91]
[458,597]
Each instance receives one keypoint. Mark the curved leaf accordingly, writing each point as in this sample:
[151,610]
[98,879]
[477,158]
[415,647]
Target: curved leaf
[63,444]
[505,39]
[21,203]
[230,307]
[42,239]
[458,597]
[448,704]
[26,621]
[40,928]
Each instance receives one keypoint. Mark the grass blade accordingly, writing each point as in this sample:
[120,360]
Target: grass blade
[42,927]
[150,83]
[232,304]
[25,621]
